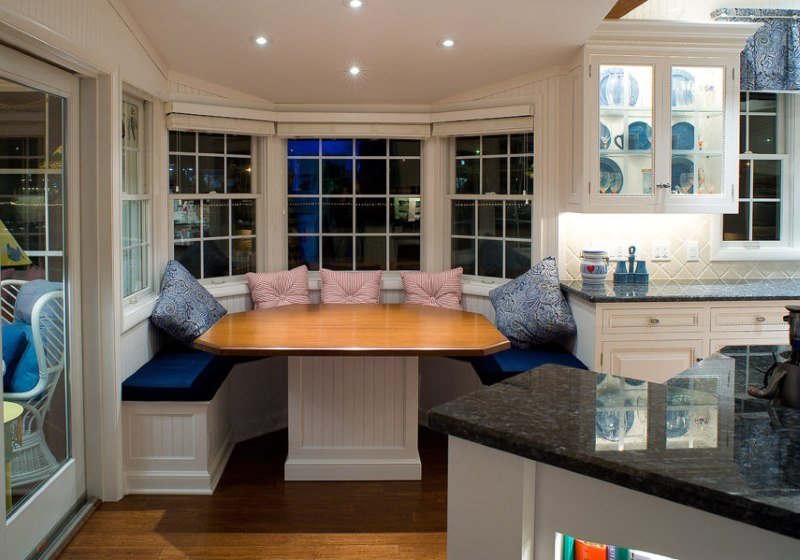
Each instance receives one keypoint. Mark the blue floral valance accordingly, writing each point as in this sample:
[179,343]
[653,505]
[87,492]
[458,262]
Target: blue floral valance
[771,57]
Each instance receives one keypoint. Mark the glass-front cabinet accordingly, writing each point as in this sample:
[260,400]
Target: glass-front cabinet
[656,119]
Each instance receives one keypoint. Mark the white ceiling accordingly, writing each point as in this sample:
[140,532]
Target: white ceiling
[394,41]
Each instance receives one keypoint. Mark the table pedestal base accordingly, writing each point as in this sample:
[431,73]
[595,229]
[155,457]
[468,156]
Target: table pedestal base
[353,418]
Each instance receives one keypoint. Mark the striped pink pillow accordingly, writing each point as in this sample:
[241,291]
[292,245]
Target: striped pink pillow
[438,289]
[350,287]
[274,289]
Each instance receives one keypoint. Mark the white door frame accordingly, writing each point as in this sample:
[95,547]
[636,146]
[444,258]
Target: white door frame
[48,505]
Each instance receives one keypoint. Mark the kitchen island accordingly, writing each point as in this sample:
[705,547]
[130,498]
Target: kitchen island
[690,468]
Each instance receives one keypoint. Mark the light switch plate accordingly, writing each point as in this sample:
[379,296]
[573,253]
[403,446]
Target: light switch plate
[661,251]
[692,251]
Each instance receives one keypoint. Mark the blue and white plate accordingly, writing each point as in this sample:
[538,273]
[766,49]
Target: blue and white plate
[640,135]
[612,88]
[682,88]
[613,179]
[605,137]
[682,136]
[682,166]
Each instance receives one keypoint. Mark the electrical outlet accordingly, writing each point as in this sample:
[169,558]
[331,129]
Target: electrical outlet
[692,251]
[661,251]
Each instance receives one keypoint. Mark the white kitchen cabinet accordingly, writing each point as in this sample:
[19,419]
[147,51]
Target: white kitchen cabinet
[654,341]
[656,118]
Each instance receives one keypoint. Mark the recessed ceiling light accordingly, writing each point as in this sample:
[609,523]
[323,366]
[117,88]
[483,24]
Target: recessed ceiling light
[354,70]
[261,41]
[354,3]
[447,43]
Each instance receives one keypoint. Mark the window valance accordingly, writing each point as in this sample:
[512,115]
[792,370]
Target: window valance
[483,126]
[204,123]
[353,130]
[771,57]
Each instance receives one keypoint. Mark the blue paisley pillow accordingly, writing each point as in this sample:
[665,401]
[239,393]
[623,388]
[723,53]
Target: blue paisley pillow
[185,309]
[531,309]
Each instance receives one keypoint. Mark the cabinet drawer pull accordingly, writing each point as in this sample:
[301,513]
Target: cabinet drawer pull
[760,319]
[654,321]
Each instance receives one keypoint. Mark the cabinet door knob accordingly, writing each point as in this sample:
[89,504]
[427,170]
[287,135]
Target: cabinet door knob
[760,319]
[654,321]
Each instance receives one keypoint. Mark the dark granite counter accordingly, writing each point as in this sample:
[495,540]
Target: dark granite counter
[691,440]
[685,290]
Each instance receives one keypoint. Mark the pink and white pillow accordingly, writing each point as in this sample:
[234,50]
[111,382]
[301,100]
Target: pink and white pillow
[350,287]
[274,289]
[437,289]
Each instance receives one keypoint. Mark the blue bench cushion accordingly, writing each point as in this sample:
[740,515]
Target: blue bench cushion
[502,365]
[178,373]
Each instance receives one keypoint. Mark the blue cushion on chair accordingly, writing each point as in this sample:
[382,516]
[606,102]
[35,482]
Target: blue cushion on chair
[14,344]
[29,294]
[502,365]
[531,309]
[185,309]
[25,375]
[178,373]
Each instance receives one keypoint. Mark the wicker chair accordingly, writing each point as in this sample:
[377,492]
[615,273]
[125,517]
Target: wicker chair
[31,458]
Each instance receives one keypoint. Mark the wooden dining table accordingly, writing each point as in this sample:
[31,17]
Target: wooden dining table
[353,378]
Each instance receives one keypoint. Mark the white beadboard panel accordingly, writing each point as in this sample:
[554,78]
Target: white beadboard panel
[259,395]
[176,447]
[94,31]
[443,379]
[353,418]
[478,304]
[361,394]
[156,436]
[236,303]
[139,344]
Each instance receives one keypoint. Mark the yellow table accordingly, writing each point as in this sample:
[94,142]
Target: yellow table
[11,411]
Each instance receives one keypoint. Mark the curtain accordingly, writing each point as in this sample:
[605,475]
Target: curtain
[771,57]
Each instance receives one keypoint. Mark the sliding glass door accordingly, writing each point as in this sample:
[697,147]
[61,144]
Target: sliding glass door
[44,469]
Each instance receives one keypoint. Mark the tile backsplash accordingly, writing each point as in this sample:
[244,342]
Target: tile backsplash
[610,231]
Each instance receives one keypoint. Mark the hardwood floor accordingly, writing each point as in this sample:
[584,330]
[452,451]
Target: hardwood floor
[254,514]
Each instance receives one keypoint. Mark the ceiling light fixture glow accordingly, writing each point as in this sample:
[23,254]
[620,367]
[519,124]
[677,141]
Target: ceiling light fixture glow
[354,70]
[447,43]
[261,41]
[354,3]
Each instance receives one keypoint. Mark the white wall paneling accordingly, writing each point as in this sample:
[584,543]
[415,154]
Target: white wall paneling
[353,418]
[176,447]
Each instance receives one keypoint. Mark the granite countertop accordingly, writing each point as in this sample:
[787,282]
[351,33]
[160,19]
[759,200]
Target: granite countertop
[686,290]
[691,440]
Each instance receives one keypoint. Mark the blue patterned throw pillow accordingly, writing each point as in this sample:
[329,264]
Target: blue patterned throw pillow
[531,309]
[185,309]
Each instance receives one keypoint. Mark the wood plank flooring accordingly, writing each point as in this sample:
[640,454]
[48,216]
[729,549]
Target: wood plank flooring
[254,514]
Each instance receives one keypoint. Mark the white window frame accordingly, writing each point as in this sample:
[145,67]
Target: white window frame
[788,247]
[451,196]
[254,195]
[145,175]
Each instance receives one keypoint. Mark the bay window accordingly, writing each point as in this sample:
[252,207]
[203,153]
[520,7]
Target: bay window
[491,212]
[354,204]
[136,198]
[213,203]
